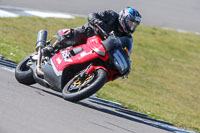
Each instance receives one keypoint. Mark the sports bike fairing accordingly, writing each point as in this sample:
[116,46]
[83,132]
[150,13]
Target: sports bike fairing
[91,50]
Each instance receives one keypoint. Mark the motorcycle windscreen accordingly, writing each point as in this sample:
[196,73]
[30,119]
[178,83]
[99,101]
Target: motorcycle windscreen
[121,61]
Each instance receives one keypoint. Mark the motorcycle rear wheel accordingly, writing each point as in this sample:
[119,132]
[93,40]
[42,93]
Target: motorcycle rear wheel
[76,89]
[23,73]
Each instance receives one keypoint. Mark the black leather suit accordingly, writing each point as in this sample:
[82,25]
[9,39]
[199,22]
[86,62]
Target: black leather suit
[108,20]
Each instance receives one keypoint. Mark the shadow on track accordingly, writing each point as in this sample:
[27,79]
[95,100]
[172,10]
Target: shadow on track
[118,113]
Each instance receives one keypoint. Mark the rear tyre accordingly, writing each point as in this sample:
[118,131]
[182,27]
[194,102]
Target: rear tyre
[77,89]
[23,73]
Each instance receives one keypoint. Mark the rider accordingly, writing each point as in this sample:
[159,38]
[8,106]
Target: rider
[122,24]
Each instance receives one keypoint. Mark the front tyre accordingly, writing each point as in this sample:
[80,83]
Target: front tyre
[23,73]
[80,88]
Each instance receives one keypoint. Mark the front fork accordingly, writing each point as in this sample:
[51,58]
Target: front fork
[91,68]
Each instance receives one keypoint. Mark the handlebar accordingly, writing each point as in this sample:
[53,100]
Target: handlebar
[101,30]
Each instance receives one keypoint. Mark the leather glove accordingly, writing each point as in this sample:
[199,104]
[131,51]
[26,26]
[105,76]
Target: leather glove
[89,31]
[99,23]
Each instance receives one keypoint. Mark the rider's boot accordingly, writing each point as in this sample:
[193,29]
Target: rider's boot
[47,51]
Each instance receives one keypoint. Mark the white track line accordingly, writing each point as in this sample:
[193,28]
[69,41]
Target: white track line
[49,14]
[7,14]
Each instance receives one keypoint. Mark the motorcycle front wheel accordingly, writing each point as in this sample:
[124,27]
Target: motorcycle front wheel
[80,88]
[23,73]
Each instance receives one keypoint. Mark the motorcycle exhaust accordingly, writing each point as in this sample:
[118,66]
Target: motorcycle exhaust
[41,42]
[41,39]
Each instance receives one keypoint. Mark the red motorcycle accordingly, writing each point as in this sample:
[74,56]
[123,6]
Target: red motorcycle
[77,72]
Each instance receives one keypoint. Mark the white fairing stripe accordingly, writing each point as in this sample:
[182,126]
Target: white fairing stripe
[58,73]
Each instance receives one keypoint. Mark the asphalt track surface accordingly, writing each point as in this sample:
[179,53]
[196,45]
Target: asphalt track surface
[34,109]
[176,14]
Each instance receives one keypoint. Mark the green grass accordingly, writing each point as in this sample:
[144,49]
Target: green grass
[165,78]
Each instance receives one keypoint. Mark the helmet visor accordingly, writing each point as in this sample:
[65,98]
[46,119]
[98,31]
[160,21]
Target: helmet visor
[131,24]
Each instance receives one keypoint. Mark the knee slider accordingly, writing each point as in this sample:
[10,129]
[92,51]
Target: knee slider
[69,33]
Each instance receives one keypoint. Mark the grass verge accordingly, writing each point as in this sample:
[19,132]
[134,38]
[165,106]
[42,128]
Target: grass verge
[165,78]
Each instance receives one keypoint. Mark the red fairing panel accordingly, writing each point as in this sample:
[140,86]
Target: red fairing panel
[91,50]
[95,44]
